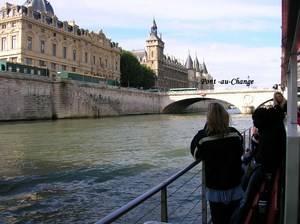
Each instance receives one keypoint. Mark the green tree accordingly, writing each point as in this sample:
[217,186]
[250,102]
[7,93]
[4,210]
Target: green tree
[130,69]
[133,74]
[148,77]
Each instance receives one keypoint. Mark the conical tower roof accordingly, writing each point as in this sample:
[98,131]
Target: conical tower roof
[154,28]
[189,62]
[204,68]
[197,65]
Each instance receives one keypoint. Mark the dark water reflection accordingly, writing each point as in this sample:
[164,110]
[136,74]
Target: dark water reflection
[77,171]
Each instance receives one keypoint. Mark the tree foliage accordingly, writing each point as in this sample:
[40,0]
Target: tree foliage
[148,77]
[133,74]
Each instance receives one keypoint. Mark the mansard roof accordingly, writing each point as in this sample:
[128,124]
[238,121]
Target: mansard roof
[140,54]
[40,6]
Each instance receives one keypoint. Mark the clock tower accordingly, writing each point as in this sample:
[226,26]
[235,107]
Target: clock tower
[155,53]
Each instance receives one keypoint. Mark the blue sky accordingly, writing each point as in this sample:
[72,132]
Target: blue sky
[235,38]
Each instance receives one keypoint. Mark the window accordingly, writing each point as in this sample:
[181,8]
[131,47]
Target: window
[14,42]
[116,66]
[64,68]
[94,60]
[74,55]
[73,69]
[4,26]
[105,63]
[14,24]
[42,63]
[64,52]
[29,43]
[28,61]
[53,49]
[14,59]
[29,25]
[42,46]
[42,30]
[3,43]
[53,66]
[86,57]
[3,14]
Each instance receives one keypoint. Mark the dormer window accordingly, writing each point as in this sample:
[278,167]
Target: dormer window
[3,14]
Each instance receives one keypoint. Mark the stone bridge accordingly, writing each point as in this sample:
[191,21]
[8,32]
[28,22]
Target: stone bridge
[245,100]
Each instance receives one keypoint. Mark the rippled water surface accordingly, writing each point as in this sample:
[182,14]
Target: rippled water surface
[78,171]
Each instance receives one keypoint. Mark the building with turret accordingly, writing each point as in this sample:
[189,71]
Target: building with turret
[198,75]
[171,72]
[32,34]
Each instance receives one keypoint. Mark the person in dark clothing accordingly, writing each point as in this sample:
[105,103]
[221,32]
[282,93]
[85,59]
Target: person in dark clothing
[220,147]
[298,116]
[267,154]
[272,138]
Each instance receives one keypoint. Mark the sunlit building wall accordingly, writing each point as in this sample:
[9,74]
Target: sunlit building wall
[32,34]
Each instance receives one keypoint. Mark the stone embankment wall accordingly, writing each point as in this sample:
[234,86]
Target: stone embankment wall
[74,99]
[25,97]
[34,97]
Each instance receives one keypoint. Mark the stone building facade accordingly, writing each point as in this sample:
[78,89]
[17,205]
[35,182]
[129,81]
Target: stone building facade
[32,34]
[198,75]
[171,72]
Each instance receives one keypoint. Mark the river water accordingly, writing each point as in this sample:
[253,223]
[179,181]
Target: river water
[78,171]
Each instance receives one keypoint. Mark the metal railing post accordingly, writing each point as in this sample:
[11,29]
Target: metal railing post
[164,205]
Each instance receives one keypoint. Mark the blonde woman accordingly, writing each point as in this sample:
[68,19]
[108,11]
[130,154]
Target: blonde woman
[279,100]
[220,147]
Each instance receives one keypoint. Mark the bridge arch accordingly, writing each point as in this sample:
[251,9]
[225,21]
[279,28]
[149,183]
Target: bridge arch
[181,105]
[263,103]
[177,102]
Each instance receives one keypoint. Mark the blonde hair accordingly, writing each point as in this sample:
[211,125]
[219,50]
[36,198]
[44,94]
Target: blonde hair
[281,104]
[217,120]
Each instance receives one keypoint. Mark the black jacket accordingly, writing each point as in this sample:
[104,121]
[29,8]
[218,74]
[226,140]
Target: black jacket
[270,150]
[222,158]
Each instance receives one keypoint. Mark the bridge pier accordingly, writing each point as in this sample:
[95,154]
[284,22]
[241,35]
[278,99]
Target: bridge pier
[247,109]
